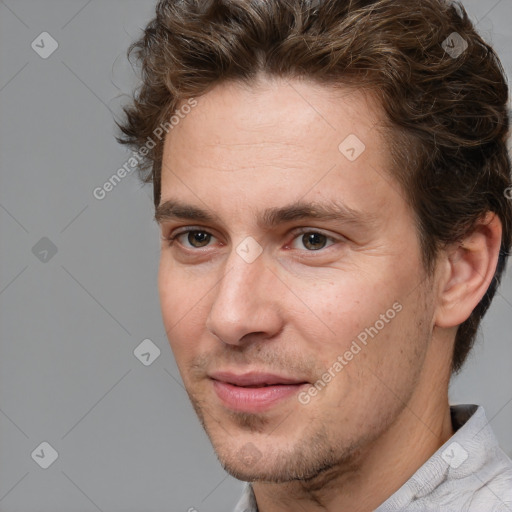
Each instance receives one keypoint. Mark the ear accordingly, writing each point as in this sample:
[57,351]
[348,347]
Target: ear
[468,268]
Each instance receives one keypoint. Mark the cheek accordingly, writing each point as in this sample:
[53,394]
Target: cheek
[182,310]
[360,327]
[338,310]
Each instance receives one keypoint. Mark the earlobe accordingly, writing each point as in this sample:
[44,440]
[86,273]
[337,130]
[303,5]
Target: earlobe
[470,267]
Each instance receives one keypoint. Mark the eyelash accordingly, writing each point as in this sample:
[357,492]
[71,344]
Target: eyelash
[171,239]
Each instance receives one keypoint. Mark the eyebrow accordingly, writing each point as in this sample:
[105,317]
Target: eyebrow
[271,217]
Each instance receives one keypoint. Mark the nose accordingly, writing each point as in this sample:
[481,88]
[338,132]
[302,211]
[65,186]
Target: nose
[244,304]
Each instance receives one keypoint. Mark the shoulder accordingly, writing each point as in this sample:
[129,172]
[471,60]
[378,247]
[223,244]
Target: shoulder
[470,472]
[482,477]
[488,489]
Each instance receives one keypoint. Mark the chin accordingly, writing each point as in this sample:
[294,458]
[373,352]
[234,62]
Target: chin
[263,474]
[277,475]
[249,464]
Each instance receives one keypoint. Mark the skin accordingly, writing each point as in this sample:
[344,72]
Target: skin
[294,310]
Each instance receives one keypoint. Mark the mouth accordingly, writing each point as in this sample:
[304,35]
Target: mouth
[255,391]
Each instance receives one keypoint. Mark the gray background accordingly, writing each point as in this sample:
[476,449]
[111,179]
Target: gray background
[126,436]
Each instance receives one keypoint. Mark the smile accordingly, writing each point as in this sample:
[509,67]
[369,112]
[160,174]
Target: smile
[254,392]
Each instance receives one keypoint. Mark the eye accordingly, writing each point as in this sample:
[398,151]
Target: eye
[313,240]
[198,238]
[195,238]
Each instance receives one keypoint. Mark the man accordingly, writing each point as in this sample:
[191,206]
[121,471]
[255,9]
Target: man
[331,180]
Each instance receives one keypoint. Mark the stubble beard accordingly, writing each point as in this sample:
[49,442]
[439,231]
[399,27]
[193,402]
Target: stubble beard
[314,457]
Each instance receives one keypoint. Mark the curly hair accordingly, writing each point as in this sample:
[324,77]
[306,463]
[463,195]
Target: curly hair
[447,118]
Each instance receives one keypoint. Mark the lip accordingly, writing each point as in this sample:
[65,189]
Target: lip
[253,392]
[254,379]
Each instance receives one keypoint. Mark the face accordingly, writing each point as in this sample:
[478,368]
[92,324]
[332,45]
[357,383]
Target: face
[292,291]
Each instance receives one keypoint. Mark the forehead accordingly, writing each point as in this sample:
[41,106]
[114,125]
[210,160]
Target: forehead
[277,112]
[277,142]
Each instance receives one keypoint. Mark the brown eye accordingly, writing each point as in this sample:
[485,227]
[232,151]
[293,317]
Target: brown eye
[314,241]
[198,238]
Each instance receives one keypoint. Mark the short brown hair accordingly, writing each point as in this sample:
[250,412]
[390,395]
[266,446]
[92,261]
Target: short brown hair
[447,113]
